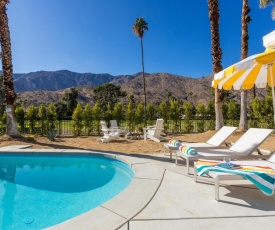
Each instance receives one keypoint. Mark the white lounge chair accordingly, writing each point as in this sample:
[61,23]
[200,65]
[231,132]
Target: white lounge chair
[219,176]
[121,129]
[108,134]
[214,142]
[241,149]
[154,132]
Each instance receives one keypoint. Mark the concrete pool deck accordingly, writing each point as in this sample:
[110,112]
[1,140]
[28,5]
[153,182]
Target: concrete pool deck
[163,196]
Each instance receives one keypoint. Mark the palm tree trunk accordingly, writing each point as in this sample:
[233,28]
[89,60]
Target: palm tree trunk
[7,68]
[243,125]
[218,109]
[144,85]
[213,7]
[12,129]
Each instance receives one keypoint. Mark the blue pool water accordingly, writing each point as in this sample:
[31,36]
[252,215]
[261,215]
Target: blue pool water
[40,191]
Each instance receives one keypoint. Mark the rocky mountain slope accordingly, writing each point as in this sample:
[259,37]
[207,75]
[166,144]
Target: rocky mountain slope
[159,84]
[58,80]
[47,86]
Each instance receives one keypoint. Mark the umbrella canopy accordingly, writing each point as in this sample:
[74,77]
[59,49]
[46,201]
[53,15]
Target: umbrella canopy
[256,70]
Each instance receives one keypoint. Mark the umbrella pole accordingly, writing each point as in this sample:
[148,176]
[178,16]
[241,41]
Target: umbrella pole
[272,91]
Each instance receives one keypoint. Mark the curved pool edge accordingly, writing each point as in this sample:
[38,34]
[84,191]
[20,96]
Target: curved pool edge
[116,212]
[126,205]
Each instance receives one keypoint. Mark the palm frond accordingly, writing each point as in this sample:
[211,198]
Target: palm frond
[265,3]
[139,27]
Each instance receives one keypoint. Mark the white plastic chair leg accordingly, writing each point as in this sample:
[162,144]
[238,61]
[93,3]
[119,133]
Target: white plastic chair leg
[217,191]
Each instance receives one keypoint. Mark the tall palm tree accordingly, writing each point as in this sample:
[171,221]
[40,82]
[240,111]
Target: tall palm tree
[7,69]
[138,28]
[214,14]
[264,3]
[245,20]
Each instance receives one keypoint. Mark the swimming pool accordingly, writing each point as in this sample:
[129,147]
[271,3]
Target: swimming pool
[38,191]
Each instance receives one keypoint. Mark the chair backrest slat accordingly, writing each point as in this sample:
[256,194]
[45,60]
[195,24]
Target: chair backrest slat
[221,135]
[104,128]
[251,140]
[113,123]
[159,126]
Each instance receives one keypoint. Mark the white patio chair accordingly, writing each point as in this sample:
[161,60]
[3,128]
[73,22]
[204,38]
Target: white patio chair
[214,142]
[108,134]
[121,129]
[154,132]
[241,149]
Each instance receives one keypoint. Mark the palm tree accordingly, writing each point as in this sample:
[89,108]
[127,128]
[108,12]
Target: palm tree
[138,28]
[7,69]
[168,95]
[264,3]
[245,20]
[214,14]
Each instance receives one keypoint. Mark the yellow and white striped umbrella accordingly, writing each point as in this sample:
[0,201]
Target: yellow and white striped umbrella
[258,70]
[255,64]
[259,75]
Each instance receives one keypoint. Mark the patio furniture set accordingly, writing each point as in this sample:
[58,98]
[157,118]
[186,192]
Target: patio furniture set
[207,154]
[114,132]
[261,171]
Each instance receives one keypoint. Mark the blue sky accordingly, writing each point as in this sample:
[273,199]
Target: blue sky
[96,35]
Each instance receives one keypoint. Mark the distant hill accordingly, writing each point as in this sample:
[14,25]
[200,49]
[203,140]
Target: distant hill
[57,80]
[43,97]
[49,86]
[15,75]
[158,84]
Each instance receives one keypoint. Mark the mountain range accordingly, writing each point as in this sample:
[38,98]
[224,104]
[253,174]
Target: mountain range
[49,86]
